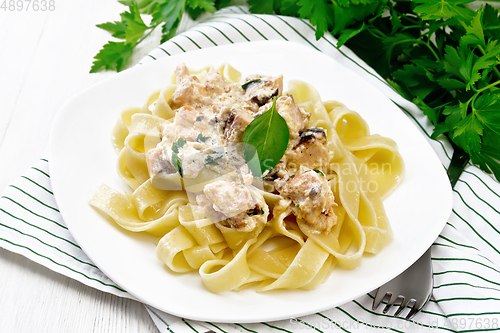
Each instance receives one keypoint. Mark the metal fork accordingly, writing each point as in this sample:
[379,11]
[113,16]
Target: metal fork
[412,288]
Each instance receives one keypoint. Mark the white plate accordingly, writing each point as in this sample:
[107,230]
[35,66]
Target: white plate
[82,158]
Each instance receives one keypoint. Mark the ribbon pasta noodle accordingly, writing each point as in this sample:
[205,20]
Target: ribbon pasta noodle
[320,206]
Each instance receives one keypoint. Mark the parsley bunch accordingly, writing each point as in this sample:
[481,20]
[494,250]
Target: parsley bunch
[445,58]
[439,54]
[131,29]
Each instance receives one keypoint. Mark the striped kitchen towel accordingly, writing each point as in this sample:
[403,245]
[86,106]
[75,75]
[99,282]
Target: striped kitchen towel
[466,256]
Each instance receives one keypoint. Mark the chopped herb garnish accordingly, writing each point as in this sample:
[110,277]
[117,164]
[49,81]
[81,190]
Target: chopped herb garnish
[246,84]
[179,143]
[198,118]
[202,138]
[256,211]
[176,161]
[320,172]
[212,158]
[297,205]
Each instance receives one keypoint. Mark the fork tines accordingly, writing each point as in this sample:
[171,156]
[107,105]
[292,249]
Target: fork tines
[399,301]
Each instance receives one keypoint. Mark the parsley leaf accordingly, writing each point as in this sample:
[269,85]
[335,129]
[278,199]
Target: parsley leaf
[474,32]
[132,30]
[143,5]
[135,26]
[319,12]
[131,27]
[487,110]
[219,4]
[416,80]
[113,55]
[453,60]
[348,17]
[348,34]
[261,6]
[487,159]
[206,5]
[117,28]
[289,8]
[491,23]
[442,9]
[169,13]
[467,133]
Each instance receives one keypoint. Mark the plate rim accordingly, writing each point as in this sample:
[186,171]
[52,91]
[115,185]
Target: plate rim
[137,69]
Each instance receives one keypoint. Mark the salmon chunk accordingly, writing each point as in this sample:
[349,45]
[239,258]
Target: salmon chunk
[295,118]
[261,89]
[311,199]
[311,151]
[190,91]
[228,197]
[236,205]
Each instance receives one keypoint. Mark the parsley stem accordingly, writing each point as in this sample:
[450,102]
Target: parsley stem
[484,53]
[488,86]
[416,41]
[376,33]
[432,50]
[408,27]
[457,165]
[152,28]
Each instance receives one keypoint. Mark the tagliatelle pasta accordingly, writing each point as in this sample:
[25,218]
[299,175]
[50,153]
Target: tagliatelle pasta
[182,156]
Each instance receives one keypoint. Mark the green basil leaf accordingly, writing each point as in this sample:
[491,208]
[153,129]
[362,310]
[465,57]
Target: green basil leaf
[266,137]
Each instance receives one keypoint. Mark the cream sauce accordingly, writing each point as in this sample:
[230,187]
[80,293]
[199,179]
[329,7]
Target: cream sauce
[206,134]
